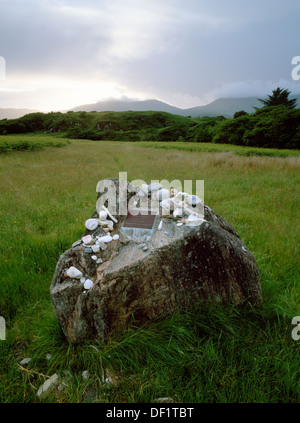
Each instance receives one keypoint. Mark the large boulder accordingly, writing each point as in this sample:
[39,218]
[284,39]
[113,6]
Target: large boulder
[143,274]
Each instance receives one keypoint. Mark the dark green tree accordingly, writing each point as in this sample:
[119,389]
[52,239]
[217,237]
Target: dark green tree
[279,97]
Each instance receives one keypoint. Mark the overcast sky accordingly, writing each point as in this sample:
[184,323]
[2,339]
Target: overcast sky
[61,54]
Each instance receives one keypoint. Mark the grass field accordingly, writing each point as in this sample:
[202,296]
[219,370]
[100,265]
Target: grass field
[212,354]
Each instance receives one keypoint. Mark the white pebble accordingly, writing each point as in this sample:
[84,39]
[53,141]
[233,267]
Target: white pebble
[74,273]
[162,194]
[88,240]
[25,361]
[88,284]
[103,215]
[95,258]
[179,224]
[91,224]
[106,238]
[82,280]
[178,212]
[115,237]
[95,248]
[145,188]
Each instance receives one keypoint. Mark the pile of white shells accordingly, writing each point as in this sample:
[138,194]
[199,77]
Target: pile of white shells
[94,245]
[181,206]
[178,205]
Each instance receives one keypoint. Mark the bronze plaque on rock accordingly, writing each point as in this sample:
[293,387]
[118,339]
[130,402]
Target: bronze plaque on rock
[143,221]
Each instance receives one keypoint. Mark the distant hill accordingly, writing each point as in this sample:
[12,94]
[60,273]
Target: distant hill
[14,113]
[125,106]
[225,107]
[221,107]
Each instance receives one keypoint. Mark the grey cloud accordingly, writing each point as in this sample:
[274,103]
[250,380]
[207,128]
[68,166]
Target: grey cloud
[165,48]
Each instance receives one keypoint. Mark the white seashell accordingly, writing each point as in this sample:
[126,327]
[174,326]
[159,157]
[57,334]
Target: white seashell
[88,284]
[193,200]
[74,273]
[82,280]
[103,215]
[162,194]
[95,258]
[116,237]
[106,238]
[95,248]
[88,240]
[91,224]
[99,261]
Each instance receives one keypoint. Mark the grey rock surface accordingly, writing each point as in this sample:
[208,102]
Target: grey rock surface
[177,270]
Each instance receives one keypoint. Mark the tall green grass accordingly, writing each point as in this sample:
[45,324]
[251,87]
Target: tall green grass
[218,148]
[21,143]
[211,354]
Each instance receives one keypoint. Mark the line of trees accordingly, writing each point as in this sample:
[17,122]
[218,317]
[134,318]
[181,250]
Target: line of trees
[276,124]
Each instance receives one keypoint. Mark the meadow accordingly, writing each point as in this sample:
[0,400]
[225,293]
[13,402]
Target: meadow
[215,353]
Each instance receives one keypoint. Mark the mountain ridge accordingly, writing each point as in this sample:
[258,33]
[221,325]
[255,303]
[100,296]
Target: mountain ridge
[225,106]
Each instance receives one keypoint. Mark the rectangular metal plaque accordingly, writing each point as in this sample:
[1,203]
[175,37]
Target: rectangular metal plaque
[140,221]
